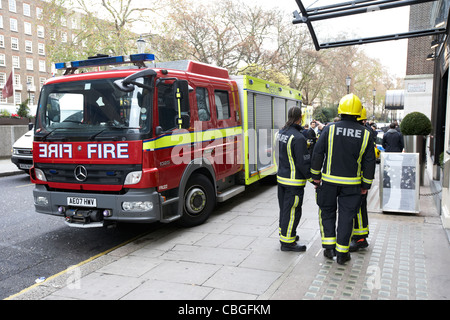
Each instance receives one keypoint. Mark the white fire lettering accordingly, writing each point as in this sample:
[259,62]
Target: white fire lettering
[108,150]
[55,151]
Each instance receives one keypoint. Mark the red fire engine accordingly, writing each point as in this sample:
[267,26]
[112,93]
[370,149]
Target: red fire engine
[151,142]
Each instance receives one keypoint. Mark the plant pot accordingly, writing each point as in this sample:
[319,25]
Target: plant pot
[416,144]
[7,121]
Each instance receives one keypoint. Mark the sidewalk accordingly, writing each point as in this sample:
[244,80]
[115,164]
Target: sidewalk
[7,168]
[235,255]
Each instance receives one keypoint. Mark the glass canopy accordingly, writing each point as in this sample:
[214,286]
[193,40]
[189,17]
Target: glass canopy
[336,24]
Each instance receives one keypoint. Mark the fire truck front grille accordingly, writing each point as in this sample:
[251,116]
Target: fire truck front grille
[87,173]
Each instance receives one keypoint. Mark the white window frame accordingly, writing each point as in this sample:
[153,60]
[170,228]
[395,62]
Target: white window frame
[16,62]
[29,46]
[29,63]
[13,25]
[42,66]
[12,5]
[41,49]
[27,28]
[27,9]
[40,30]
[14,43]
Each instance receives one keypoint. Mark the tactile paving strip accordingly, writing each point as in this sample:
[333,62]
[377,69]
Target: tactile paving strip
[391,268]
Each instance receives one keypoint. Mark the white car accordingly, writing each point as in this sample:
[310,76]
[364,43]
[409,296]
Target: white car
[22,151]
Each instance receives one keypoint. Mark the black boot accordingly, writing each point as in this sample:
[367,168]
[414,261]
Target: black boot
[294,246]
[342,258]
[355,245]
[329,253]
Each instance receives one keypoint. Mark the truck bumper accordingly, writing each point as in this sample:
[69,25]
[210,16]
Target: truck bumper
[108,208]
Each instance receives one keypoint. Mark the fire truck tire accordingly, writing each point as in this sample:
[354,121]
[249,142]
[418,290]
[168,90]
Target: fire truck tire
[199,201]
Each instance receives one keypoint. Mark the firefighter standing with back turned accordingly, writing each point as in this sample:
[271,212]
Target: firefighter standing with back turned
[294,163]
[361,226]
[342,167]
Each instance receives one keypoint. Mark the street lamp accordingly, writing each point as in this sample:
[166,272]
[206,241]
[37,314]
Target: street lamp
[374,92]
[348,80]
[141,43]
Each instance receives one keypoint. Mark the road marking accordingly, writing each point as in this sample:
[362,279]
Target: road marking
[77,265]
[24,185]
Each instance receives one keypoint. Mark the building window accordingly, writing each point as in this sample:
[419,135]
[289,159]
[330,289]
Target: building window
[30,81]
[74,23]
[18,96]
[1,22]
[2,41]
[2,79]
[16,62]
[2,59]
[29,46]
[64,37]
[42,65]
[16,80]
[27,28]
[38,13]
[13,25]
[41,49]
[12,6]
[29,62]
[14,43]
[26,10]
[40,31]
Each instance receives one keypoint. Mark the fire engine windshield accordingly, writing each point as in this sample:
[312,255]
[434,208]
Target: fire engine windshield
[93,109]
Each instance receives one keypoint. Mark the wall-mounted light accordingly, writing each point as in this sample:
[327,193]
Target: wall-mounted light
[431,57]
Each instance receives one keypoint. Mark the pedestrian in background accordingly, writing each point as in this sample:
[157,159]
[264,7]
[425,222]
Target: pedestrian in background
[393,140]
[342,167]
[310,135]
[294,164]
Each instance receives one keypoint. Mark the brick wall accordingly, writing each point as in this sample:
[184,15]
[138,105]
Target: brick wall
[419,48]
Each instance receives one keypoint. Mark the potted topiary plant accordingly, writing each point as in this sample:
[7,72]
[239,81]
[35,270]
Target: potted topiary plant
[415,128]
[415,124]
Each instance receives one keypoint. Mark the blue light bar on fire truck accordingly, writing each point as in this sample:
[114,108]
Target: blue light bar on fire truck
[106,60]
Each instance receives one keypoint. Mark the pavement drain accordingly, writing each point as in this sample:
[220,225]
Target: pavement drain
[391,268]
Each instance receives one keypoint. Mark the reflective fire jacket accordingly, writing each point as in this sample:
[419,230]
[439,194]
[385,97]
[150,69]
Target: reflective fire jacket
[293,158]
[344,155]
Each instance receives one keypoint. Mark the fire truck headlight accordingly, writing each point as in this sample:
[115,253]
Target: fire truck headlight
[41,201]
[137,205]
[133,177]
[40,174]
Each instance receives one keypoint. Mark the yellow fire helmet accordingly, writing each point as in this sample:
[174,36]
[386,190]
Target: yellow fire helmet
[363,115]
[350,104]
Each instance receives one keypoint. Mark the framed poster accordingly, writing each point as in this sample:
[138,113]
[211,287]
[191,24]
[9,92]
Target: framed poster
[399,182]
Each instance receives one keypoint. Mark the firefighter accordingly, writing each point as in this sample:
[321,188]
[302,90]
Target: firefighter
[294,163]
[342,168]
[361,225]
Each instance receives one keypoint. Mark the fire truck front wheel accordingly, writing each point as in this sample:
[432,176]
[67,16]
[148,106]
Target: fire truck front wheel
[198,202]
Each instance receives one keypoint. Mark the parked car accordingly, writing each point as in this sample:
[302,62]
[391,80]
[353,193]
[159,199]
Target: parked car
[379,145]
[22,151]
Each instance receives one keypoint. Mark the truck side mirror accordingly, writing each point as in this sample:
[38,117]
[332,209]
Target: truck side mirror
[181,96]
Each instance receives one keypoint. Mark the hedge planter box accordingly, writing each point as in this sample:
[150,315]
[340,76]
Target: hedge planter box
[14,121]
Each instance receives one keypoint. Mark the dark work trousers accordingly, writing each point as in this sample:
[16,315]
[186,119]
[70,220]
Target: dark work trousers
[361,226]
[290,200]
[330,197]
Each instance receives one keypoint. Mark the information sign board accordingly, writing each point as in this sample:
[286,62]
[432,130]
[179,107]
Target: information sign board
[399,182]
